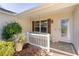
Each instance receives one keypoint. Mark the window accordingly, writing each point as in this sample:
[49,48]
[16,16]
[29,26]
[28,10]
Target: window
[36,26]
[44,26]
[41,26]
[64,27]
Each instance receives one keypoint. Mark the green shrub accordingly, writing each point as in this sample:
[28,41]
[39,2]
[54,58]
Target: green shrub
[10,30]
[6,48]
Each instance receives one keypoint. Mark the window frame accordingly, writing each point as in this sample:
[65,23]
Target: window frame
[40,26]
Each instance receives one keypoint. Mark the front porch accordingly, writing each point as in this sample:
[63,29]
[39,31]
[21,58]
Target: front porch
[63,48]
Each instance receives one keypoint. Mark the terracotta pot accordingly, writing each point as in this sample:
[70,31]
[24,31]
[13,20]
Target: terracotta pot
[18,46]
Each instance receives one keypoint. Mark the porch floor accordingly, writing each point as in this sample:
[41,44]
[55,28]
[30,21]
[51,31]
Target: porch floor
[57,49]
[63,48]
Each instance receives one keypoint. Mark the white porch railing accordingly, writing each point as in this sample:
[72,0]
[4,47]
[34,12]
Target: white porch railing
[40,40]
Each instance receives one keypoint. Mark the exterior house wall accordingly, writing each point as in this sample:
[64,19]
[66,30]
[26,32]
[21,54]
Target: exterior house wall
[56,27]
[25,23]
[4,19]
[76,28]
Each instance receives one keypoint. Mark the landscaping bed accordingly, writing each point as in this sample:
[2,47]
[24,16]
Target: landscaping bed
[31,50]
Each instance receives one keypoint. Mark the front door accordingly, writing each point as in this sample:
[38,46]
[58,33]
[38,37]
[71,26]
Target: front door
[64,30]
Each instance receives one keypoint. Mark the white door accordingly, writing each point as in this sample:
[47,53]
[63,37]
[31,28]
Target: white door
[64,30]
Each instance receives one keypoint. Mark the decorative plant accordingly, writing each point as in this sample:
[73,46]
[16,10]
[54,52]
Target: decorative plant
[19,38]
[10,30]
[19,41]
[6,48]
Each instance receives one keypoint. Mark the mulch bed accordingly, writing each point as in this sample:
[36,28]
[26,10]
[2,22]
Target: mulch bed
[31,50]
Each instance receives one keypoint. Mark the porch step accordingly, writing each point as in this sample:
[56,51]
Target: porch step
[62,52]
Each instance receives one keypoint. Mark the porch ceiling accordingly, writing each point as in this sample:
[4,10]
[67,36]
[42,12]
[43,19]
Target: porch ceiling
[48,8]
[53,12]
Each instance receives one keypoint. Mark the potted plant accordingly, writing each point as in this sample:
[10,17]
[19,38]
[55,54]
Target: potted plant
[19,41]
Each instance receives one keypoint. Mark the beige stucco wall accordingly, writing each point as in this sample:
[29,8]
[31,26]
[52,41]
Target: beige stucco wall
[25,23]
[56,26]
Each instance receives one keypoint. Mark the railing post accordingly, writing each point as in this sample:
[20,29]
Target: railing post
[48,43]
[27,37]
